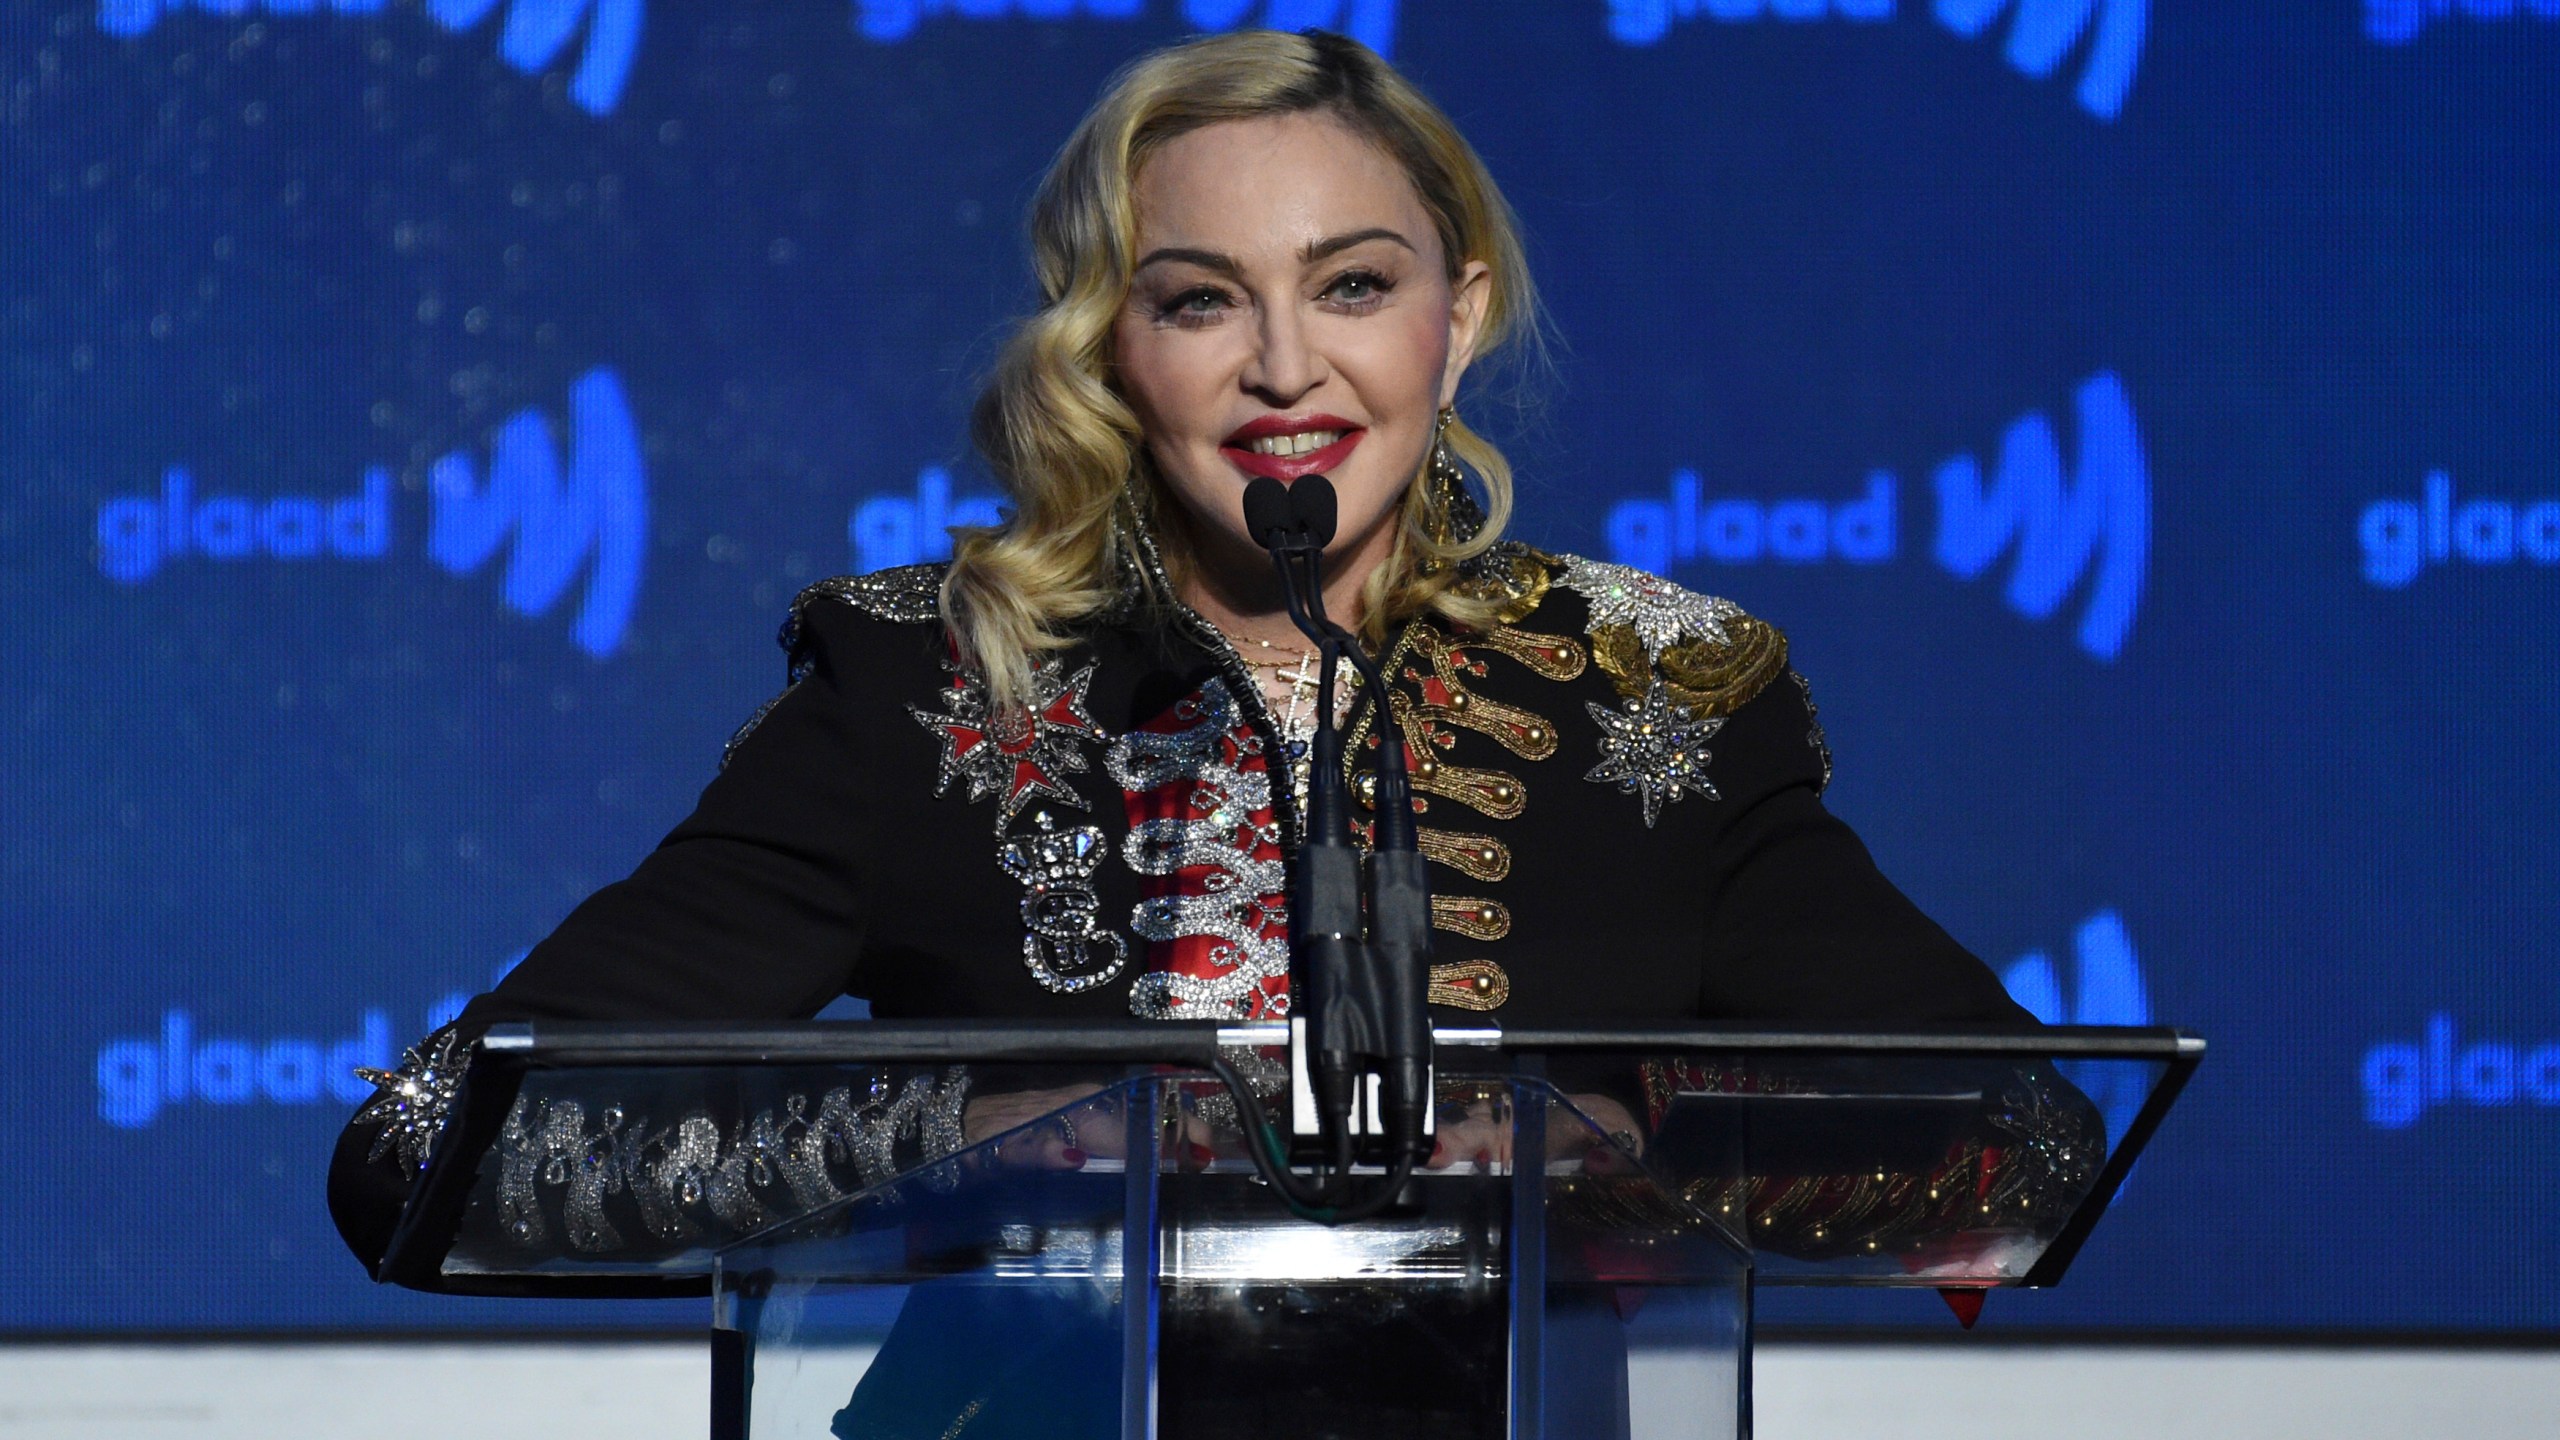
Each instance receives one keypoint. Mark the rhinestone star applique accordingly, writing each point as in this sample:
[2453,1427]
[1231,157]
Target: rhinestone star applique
[1653,748]
[1660,612]
[1016,758]
[412,1103]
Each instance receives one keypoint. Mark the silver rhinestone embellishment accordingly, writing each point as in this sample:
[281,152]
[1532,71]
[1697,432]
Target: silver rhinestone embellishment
[411,1103]
[1653,748]
[1662,613]
[1018,757]
[1067,949]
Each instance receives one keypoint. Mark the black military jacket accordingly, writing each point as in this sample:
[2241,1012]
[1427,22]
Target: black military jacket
[1619,787]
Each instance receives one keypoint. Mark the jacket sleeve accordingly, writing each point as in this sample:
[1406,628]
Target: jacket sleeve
[752,908]
[1803,926]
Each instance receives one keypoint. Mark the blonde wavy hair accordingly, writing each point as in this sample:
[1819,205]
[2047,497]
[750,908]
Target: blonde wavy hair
[1066,446]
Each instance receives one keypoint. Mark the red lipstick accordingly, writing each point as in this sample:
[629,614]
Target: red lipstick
[1289,467]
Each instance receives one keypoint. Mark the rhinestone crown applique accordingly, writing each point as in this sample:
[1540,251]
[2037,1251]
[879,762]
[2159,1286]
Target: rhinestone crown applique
[1066,947]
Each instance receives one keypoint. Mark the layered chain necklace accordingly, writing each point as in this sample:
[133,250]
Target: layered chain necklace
[1300,671]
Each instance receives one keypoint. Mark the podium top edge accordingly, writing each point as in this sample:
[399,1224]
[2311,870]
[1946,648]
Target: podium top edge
[1198,1042]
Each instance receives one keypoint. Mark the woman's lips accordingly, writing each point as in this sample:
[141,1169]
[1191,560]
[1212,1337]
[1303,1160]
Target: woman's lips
[1290,467]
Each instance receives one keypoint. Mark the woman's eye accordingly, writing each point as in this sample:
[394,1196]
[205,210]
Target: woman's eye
[1357,287]
[1193,307]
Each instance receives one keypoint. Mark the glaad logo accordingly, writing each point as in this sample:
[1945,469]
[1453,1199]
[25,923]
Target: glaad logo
[534,33]
[138,1078]
[2061,525]
[891,530]
[1371,22]
[2042,33]
[2102,512]
[2397,22]
[600,508]
[2402,1079]
[137,535]
[603,509]
[2400,538]
[1730,530]
[2106,989]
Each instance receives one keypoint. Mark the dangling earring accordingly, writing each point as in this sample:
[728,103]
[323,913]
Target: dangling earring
[1459,516]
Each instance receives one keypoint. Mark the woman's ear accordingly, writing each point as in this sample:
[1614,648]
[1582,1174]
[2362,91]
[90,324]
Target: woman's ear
[1469,296]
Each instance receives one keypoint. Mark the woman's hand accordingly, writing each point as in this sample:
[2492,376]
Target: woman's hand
[1090,1125]
[1483,1134]
[1088,1122]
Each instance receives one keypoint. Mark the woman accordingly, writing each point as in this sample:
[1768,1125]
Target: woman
[1058,776]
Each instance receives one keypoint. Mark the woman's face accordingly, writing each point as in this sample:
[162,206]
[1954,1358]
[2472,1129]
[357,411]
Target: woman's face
[1291,314]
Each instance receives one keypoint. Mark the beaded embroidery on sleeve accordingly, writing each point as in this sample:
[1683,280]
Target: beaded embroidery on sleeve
[612,1181]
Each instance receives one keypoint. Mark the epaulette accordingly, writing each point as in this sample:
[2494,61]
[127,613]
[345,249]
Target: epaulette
[1710,656]
[901,595]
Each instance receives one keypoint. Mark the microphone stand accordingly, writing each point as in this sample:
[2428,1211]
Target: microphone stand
[1362,1006]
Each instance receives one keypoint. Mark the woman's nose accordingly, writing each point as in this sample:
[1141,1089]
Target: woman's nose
[1285,366]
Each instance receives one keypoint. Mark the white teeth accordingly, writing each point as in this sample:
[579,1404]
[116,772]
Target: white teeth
[1298,444]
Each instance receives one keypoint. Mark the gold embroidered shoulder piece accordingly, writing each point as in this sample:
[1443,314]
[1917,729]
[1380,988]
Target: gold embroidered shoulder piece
[1710,656]
[1681,662]
[1512,576]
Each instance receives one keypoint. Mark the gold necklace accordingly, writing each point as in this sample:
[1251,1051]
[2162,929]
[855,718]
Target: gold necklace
[1295,655]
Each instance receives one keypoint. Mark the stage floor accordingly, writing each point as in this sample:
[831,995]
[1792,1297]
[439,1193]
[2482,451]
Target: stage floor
[656,1390]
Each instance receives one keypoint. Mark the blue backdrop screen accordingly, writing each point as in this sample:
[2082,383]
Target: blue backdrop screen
[2142,417]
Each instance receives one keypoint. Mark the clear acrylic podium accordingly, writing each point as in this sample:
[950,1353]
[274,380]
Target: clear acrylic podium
[1059,1233]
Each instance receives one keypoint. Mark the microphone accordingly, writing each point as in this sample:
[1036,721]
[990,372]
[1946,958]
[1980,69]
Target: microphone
[1270,516]
[1279,516]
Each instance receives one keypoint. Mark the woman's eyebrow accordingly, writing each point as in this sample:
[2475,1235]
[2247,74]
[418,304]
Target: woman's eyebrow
[1205,259]
[1225,265]
[1335,245]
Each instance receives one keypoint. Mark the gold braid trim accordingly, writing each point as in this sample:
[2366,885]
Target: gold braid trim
[1469,985]
[1498,794]
[1553,657]
[1445,697]
[1478,857]
[1471,915]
